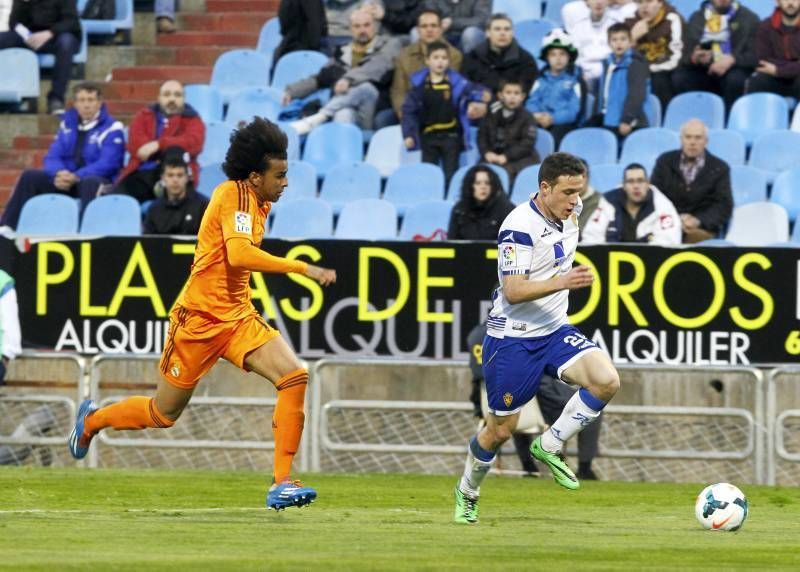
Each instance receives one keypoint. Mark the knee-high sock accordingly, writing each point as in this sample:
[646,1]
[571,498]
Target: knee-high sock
[287,421]
[581,409]
[131,413]
[479,462]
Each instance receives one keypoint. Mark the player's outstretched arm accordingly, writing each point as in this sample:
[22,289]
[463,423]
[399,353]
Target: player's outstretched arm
[518,289]
[242,254]
[324,276]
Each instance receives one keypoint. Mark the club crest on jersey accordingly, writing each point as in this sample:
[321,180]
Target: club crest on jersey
[507,399]
[243,222]
[175,370]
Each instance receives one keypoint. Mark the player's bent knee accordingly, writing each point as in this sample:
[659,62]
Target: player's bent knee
[161,419]
[605,383]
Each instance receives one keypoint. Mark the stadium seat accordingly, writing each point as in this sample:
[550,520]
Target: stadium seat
[594,145]
[786,192]
[303,218]
[527,182]
[727,145]
[24,82]
[367,219]
[775,152]
[297,65]
[795,126]
[216,143]
[49,214]
[686,7]
[293,152]
[652,108]
[112,215]
[236,70]
[387,151]
[518,10]
[758,224]
[412,184]
[253,102]
[645,145]
[424,219]
[705,106]
[206,100]
[530,33]
[122,21]
[762,8]
[49,60]
[302,181]
[347,182]
[607,177]
[748,185]
[756,113]
[454,188]
[331,144]
[715,242]
[552,11]
[211,175]
[269,38]
[796,234]
[545,144]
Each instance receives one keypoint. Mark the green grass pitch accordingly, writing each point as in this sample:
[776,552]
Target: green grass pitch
[184,520]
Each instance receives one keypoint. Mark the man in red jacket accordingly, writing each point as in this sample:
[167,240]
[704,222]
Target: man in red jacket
[168,123]
[778,52]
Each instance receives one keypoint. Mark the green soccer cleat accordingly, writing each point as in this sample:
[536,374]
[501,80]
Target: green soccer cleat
[466,508]
[562,474]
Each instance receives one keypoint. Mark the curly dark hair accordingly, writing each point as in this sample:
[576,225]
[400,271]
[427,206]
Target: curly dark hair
[252,147]
[467,190]
[557,164]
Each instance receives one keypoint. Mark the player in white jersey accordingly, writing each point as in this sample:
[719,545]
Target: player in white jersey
[528,333]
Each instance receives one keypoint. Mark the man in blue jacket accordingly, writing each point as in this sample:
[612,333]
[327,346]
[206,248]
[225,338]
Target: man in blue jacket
[88,151]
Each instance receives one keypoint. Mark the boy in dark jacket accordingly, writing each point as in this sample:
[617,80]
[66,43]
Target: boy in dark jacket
[778,52]
[435,112]
[508,133]
[624,85]
[180,209]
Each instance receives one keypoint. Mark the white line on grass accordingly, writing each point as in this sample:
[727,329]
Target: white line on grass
[156,510]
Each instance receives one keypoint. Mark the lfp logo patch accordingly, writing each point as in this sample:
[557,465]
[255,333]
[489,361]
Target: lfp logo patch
[243,222]
[509,255]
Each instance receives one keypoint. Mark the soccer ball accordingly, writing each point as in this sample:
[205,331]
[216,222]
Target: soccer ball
[721,507]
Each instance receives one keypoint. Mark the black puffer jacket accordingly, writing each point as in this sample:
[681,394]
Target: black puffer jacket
[55,15]
[487,67]
[471,220]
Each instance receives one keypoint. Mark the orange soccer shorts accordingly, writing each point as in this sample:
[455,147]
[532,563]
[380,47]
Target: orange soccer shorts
[196,341]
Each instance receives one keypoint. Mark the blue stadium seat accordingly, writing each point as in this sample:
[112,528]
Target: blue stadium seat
[552,11]
[49,214]
[756,113]
[545,144]
[502,173]
[686,7]
[297,65]
[796,234]
[705,106]
[49,60]
[367,219]
[762,8]
[302,181]
[236,70]
[293,152]
[347,182]
[303,218]
[645,145]
[652,108]
[607,177]
[454,188]
[527,182]
[424,219]
[123,20]
[786,192]
[211,176]
[594,145]
[206,100]
[715,242]
[748,185]
[518,10]
[387,152]
[216,143]
[530,33]
[269,38]
[112,215]
[24,82]
[412,184]
[253,102]
[331,144]
[758,224]
[727,145]
[775,152]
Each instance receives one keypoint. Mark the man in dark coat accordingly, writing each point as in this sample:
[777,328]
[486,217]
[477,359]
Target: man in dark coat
[778,52]
[180,209]
[303,26]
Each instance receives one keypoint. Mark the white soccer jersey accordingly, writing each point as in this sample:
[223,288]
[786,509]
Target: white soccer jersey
[530,244]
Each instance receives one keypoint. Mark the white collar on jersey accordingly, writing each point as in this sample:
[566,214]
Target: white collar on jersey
[558,225]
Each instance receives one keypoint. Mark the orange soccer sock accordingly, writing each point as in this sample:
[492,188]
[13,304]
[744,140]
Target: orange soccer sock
[287,421]
[131,413]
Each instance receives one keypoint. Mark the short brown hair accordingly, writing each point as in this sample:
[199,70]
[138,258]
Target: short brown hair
[90,86]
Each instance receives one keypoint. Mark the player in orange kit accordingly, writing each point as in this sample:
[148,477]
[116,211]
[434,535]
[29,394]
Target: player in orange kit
[214,317]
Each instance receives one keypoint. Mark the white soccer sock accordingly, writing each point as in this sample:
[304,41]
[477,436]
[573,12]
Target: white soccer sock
[479,462]
[581,409]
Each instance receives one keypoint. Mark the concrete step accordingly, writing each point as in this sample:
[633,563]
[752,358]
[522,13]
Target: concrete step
[120,108]
[15,159]
[26,142]
[8,177]
[127,90]
[230,38]
[184,74]
[244,22]
[250,6]
[5,195]
[198,56]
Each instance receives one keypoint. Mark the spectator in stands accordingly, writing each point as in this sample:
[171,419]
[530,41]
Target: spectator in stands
[401,17]
[463,20]
[171,122]
[482,208]
[356,74]
[589,33]
[559,93]
[339,14]
[657,32]
[10,337]
[180,209]
[636,212]
[412,58]
[88,152]
[303,26]
[590,200]
[698,184]
[436,110]
[624,85]
[165,16]
[500,57]
[508,132]
[778,52]
[572,13]
[719,51]
[47,27]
